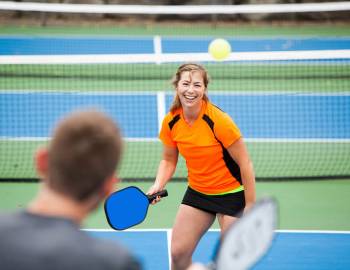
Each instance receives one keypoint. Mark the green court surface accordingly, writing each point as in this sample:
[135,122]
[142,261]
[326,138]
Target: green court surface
[271,160]
[303,205]
[257,29]
[250,76]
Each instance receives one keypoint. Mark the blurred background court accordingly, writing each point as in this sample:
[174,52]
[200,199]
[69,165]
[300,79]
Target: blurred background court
[286,84]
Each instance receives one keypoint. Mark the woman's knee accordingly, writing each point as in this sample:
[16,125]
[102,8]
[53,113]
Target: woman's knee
[180,253]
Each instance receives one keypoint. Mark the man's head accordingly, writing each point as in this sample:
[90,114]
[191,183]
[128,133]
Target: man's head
[83,154]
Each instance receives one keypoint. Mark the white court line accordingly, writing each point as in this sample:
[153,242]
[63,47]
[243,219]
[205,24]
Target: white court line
[168,234]
[313,231]
[170,93]
[128,230]
[302,55]
[157,45]
[168,231]
[249,140]
[278,93]
[80,92]
[39,139]
[296,140]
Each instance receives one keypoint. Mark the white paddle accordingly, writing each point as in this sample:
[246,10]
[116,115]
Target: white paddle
[249,238]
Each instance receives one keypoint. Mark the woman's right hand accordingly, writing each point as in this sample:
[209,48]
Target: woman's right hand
[154,189]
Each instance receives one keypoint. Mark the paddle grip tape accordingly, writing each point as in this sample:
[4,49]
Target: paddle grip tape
[162,193]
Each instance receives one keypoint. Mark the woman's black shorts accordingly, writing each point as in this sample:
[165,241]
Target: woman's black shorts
[231,204]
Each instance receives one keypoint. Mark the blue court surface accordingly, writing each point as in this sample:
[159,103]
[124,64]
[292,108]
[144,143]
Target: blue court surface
[290,249]
[41,45]
[260,116]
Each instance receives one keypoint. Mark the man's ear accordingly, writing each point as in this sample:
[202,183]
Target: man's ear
[41,162]
[110,186]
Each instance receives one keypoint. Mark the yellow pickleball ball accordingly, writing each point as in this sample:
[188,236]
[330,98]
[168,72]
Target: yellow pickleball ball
[219,49]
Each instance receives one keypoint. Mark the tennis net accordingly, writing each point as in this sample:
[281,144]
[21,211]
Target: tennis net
[293,107]
[286,87]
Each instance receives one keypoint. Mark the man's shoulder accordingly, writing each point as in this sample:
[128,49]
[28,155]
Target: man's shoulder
[8,219]
[37,238]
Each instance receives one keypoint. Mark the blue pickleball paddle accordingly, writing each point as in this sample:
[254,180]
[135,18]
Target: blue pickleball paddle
[128,207]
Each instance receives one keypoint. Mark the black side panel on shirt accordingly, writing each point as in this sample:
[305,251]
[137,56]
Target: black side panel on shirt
[230,163]
[173,121]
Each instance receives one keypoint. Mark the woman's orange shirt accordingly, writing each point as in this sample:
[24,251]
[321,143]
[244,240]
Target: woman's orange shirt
[202,145]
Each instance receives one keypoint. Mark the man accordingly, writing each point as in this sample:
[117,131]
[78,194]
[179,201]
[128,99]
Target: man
[77,172]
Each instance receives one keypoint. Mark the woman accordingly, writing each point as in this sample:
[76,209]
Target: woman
[220,174]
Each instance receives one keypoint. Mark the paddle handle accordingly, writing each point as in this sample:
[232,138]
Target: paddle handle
[162,193]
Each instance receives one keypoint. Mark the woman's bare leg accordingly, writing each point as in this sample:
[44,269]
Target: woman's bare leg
[190,225]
